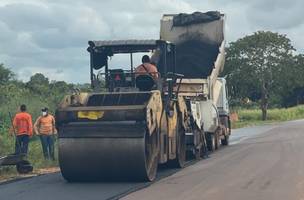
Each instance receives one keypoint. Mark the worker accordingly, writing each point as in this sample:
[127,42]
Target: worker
[45,128]
[23,128]
[147,68]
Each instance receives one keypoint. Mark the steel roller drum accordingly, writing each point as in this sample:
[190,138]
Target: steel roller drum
[107,152]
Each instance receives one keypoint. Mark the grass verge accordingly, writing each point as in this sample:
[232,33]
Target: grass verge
[35,156]
[251,117]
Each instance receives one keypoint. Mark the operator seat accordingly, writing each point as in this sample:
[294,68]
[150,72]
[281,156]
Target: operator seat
[144,82]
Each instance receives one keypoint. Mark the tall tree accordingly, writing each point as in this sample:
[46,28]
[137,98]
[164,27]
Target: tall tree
[255,65]
[5,75]
[38,84]
[293,89]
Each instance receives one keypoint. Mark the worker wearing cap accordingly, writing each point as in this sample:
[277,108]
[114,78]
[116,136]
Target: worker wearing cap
[45,128]
[146,68]
[23,128]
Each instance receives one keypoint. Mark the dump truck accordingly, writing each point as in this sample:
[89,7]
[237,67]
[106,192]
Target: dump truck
[132,122]
[200,57]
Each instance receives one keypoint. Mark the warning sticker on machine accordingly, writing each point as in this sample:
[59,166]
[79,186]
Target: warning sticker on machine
[93,115]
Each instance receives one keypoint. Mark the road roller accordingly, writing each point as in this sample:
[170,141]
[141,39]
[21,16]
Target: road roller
[129,123]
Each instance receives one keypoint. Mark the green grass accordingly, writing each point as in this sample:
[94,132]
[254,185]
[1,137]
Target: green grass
[14,97]
[249,117]
[35,156]
[7,143]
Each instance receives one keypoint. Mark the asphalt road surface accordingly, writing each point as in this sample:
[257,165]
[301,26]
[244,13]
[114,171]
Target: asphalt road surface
[265,162]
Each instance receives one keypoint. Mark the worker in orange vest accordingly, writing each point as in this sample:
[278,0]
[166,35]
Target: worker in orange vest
[45,128]
[146,68]
[23,128]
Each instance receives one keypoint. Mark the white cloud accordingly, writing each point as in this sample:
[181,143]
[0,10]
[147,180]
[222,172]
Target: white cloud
[50,36]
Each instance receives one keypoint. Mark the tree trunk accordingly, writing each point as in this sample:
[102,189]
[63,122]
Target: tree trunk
[264,101]
[264,114]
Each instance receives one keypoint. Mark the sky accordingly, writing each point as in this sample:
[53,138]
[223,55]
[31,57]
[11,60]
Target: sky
[50,36]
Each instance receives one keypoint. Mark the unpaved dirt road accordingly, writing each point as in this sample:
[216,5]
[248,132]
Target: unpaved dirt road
[264,162]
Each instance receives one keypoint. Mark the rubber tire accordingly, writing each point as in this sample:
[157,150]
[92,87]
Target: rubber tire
[203,152]
[217,141]
[24,167]
[210,139]
[198,154]
[225,141]
[204,149]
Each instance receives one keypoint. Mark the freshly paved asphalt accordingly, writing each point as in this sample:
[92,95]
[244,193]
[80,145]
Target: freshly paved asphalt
[264,166]
[265,162]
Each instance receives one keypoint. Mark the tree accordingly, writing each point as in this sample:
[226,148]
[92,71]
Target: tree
[256,65]
[5,75]
[38,84]
[57,90]
[293,91]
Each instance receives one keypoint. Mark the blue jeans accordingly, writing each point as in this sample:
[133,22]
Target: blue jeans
[21,144]
[47,142]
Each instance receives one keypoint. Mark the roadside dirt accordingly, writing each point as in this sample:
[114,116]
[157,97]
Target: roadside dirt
[15,176]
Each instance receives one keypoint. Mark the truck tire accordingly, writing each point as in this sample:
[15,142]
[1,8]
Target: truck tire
[225,141]
[210,139]
[204,149]
[217,140]
[200,152]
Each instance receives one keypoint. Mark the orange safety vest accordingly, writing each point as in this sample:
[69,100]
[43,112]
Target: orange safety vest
[147,68]
[45,125]
[23,124]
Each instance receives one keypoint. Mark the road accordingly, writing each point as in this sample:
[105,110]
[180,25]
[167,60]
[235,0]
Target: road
[264,162]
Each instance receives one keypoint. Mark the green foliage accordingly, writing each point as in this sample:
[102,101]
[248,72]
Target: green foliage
[38,84]
[5,75]
[255,60]
[7,144]
[263,68]
[37,93]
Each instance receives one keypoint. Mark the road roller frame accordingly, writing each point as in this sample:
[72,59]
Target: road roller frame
[118,132]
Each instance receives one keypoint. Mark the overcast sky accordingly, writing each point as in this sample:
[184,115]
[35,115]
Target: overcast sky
[50,36]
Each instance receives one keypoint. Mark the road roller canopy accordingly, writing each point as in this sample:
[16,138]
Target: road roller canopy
[163,56]
[122,46]
[101,50]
